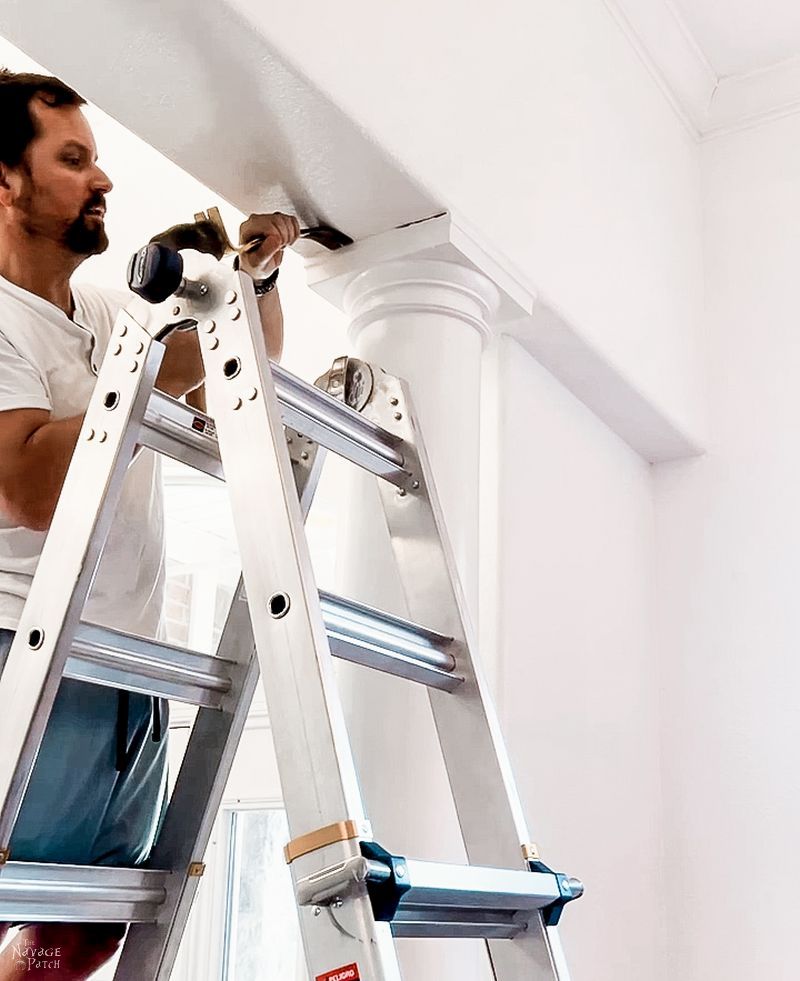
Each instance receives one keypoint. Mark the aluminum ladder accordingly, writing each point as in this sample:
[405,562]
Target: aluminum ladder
[354,897]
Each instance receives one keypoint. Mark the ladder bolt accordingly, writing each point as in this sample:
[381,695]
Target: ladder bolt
[394,401]
[176,311]
[398,416]
[304,455]
[317,910]
[401,492]
[337,903]
[415,485]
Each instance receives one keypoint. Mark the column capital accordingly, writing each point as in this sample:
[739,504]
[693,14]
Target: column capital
[444,241]
[413,286]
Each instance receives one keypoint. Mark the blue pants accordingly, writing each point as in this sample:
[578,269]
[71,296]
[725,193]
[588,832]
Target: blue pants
[79,809]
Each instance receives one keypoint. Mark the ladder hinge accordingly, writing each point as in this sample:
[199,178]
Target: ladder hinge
[196,869]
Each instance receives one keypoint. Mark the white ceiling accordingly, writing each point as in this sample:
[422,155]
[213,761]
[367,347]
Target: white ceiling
[217,100]
[724,64]
[742,36]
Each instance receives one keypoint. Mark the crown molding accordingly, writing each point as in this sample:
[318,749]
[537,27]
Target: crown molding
[709,105]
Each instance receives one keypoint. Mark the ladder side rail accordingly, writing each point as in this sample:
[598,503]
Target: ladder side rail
[68,563]
[150,949]
[478,766]
[315,762]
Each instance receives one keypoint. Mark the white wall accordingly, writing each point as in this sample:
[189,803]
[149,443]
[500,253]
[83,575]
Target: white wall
[729,543]
[579,695]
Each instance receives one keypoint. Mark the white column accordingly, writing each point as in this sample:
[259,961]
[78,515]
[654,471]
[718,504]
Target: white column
[427,321]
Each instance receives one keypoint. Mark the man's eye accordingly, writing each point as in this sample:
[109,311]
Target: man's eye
[72,161]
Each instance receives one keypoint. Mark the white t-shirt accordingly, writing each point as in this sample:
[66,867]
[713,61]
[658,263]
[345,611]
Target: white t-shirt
[48,361]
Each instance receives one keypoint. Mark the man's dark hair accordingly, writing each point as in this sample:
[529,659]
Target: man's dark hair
[17,124]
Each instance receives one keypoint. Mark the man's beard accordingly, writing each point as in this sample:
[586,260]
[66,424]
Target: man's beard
[86,236]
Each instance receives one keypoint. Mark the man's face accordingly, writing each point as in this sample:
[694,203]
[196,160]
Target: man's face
[60,190]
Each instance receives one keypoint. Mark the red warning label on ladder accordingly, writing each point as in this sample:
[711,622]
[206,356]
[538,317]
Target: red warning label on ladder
[348,973]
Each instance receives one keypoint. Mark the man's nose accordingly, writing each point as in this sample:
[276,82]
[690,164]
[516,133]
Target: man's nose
[101,181]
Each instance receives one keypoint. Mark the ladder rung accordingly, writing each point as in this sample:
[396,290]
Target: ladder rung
[188,435]
[76,893]
[470,901]
[103,656]
[379,640]
[336,426]
[356,633]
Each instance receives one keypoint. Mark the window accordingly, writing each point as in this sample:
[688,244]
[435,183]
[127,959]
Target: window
[262,934]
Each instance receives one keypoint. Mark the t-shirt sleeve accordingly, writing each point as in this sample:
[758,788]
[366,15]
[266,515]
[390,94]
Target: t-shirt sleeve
[21,385]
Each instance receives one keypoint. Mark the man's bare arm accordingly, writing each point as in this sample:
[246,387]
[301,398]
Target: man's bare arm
[35,452]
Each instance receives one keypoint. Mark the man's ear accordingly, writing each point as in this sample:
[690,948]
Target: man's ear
[10,185]
[6,193]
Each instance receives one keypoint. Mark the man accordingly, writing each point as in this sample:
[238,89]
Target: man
[83,806]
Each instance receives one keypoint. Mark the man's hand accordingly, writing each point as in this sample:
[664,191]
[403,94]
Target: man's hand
[278,232]
[181,369]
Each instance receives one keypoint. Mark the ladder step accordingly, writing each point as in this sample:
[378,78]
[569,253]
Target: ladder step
[470,901]
[34,892]
[108,657]
[357,633]
[190,436]
[379,640]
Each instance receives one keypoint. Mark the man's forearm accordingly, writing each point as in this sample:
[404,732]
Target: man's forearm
[48,452]
[269,307]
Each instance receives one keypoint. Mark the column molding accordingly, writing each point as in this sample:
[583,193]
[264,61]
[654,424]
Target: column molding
[423,286]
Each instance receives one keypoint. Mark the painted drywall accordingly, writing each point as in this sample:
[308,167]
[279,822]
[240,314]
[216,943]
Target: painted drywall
[579,694]
[729,547]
